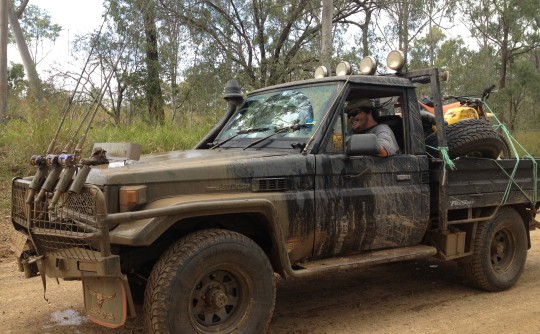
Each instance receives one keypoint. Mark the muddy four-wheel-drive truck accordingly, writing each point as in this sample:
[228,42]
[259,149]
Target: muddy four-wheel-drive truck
[280,185]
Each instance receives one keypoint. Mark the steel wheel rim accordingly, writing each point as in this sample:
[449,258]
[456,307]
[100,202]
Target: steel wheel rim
[218,300]
[502,250]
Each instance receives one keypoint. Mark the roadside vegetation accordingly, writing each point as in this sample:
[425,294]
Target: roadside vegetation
[31,134]
[166,80]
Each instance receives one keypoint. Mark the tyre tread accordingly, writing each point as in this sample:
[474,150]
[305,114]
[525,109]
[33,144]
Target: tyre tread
[165,270]
[466,136]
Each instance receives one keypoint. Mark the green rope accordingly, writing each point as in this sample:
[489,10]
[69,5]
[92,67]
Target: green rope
[446,158]
[513,142]
[447,162]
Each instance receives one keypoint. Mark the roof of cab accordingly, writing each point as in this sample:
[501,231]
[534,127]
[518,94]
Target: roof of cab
[380,80]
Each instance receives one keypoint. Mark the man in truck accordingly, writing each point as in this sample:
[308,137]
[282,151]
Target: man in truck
[360,114]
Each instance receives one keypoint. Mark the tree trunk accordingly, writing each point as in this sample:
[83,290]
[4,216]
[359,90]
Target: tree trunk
[28,62]
[3,59]
[365,33]
[326,34]
[154,95]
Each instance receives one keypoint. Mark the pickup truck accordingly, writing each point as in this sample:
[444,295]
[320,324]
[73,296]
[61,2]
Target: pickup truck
[280,186]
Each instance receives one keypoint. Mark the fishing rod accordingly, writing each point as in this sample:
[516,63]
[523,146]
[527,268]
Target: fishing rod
[71,161]
[48,167]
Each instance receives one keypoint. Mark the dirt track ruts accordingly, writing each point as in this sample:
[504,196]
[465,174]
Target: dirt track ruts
[413,297]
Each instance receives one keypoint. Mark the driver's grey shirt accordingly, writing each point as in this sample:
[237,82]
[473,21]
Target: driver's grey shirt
[385,137]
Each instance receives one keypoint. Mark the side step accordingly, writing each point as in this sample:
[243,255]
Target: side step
[365,259]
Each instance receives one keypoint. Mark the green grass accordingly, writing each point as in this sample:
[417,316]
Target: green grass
[530,140]
[24,137]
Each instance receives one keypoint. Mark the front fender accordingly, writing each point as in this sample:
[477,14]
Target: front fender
[142,228]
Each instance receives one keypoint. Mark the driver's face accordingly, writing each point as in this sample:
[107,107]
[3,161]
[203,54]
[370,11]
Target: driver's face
[359,121]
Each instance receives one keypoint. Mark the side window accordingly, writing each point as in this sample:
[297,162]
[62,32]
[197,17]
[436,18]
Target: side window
[386,108]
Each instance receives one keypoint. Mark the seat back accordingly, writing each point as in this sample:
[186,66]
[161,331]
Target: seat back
[395,122]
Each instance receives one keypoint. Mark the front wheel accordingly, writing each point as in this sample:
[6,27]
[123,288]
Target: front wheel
[500,252]
[212,281]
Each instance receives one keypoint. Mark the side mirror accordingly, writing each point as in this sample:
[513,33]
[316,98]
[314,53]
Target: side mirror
[364,144]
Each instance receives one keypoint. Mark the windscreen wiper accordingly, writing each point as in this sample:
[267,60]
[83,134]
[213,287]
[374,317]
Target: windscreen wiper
[241,132]
[290,128]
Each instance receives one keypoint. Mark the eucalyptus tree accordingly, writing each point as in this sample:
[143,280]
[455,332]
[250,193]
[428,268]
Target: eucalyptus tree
[405,21]
[31,27]
[136,22]
[264,42]
[512,29]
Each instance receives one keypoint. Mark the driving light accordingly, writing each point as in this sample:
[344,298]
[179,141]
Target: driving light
[444,75]
[368,65]
[343,68]
[321,72]
[395,60]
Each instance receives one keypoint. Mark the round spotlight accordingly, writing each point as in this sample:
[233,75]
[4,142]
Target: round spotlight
[444,75]
[395,60]
[343,68]
[368,65]
[321,72]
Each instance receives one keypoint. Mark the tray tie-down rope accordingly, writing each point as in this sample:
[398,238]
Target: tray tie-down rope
[449,164]
[513,142]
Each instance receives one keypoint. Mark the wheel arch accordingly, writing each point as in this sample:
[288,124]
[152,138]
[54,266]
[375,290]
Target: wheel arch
[257,219]
[525,213]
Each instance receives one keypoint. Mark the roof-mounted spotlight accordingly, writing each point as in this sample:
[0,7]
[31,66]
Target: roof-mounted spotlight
[368,65]
[343,68]
[395,60]
[444,76]
[321,72]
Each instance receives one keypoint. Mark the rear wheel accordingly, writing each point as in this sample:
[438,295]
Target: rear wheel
[212,281]
[500,252]
[471,138]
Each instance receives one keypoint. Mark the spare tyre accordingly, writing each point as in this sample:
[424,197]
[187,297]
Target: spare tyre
[470,138]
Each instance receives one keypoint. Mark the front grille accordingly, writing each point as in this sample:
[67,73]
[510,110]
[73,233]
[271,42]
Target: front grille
[70,229]
[18,197]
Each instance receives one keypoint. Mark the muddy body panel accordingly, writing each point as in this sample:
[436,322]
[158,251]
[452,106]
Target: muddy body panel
[369,203]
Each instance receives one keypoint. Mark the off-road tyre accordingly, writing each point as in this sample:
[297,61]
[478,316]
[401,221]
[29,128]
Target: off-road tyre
[211,281]
[500,252]
[470,138]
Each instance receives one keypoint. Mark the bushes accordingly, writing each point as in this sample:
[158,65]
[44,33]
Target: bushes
[23,137]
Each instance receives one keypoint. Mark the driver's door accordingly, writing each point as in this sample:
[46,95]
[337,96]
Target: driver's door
[367,203]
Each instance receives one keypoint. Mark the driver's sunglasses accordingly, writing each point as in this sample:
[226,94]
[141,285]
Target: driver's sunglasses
[354,113]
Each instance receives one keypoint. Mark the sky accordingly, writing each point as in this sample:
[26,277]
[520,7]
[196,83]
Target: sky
[76,17]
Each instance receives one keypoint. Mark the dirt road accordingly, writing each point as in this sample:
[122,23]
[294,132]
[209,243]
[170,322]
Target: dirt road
[413,297]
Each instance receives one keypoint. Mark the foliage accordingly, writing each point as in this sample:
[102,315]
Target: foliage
[16,83]
[23,137]
[197,45]
[38,29]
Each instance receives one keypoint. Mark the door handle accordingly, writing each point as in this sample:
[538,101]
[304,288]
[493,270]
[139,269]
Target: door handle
[403,177]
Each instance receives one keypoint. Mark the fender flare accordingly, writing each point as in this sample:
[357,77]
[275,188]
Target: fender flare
[142,228]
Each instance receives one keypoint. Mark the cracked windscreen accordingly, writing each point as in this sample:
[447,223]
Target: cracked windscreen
[290,113]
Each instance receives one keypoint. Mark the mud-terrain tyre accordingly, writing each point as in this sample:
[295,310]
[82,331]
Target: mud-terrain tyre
[471,138]
[211,281]
[500,252]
